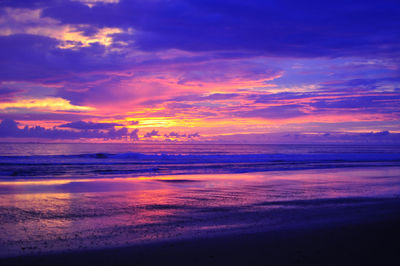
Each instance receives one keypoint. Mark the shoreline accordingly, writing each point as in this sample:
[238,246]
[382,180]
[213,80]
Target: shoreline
[177,176]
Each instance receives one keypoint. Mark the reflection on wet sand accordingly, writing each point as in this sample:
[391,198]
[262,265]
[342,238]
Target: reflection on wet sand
[69,214]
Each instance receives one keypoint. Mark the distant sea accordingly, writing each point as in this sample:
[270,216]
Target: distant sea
[27,160]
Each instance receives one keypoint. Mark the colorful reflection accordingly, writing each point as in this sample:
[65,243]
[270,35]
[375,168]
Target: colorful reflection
[40,216]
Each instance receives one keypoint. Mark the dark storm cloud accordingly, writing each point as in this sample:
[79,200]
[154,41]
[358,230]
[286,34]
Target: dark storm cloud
[229,28]
[82,125]
[175,135]
[193,135]
[134,134]
[22,55]
[153,133]
[283,28]
[30,57]
[26,3]
[9,128]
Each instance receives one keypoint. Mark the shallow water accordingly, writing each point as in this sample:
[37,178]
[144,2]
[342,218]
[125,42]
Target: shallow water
[45,215]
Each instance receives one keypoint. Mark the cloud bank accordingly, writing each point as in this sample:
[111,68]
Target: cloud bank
[185,70]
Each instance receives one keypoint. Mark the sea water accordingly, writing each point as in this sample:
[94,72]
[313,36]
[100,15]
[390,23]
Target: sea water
[51,161]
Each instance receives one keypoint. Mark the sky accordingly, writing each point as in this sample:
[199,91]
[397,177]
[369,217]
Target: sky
[223,71]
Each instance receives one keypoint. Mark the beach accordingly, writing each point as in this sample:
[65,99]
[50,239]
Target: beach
[282,217]
[202,207]
[371,242]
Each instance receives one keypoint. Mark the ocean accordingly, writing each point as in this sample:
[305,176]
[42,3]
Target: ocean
[104,160]
[68,197]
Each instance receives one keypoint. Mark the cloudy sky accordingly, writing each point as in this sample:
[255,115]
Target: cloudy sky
[200,70]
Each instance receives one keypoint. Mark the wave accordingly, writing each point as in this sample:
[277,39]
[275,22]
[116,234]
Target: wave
[192,158]
[135,164]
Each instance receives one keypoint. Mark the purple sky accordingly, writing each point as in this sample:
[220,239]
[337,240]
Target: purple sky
[200,70]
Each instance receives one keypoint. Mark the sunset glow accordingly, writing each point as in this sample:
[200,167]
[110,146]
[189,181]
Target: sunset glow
[162,70]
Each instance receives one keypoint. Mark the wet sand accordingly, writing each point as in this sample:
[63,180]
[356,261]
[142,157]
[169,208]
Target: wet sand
[367,243]
[310,217]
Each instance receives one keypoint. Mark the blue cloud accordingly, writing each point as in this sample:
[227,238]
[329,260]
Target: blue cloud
[9,128]
[82,125]
[151,134]
[285,28]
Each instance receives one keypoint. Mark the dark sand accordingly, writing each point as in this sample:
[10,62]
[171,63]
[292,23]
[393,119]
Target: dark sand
[358,243]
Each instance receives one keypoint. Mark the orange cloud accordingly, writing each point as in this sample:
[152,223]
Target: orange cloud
[44,104]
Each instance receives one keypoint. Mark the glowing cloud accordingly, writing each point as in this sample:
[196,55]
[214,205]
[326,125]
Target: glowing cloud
[27,21]
[44,104]
[171,69]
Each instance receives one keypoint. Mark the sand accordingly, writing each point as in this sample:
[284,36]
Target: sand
[312,217]
[374,242]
